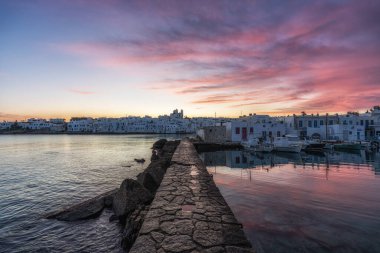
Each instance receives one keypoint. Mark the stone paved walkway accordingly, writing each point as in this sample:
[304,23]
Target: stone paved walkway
[188,213]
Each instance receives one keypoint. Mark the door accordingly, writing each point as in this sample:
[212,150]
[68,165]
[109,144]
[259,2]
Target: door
[244,133]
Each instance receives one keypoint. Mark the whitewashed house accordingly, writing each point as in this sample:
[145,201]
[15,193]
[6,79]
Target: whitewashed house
[38,124]
[375,122]
[80,125]
[57,125]
[348,127]
[5,125]
[254,127]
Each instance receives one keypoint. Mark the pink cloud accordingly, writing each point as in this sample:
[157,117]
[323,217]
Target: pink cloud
[321,57]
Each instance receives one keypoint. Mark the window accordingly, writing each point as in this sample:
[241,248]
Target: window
[251,130]
[315,123]
[278,133]
[300,123]
[372,122]
[350,122]
[237,130]
[270,133]
[237,159]
[321,122]
[309,123]
[344,122]
[331,122]
[361,122]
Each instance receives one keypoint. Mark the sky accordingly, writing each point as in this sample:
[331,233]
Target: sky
[115,58]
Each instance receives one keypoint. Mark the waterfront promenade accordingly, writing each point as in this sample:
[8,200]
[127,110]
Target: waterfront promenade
[188,213]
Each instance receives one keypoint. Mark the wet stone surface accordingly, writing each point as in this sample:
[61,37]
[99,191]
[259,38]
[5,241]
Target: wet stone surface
[188,213]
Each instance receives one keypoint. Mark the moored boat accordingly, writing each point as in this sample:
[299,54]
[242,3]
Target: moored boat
[348,146]
[314,146]
[264,148]
[255,145]
[283,144]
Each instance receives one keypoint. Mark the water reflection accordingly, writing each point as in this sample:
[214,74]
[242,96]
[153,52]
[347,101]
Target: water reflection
[246,160]
[302,202]
[43,173]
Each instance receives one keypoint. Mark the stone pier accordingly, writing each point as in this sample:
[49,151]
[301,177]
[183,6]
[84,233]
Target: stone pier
[188,213]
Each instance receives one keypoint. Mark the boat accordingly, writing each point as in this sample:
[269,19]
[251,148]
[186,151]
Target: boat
[254,145]
[264,148]
[365,145]
[329,144]
[314,146]
[286,144]
[348,146]
[294,139]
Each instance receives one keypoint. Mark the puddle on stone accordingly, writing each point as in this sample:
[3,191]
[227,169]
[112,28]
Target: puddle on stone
[188,208]
[194,172]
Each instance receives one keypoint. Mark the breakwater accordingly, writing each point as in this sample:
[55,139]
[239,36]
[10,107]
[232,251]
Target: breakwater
[173,206]
[188,213]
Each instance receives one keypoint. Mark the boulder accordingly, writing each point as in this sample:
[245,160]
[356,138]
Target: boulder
[155,155]
[141,160]
[130,195]
[132,227]
[88,209]
[159,144]
[152,176]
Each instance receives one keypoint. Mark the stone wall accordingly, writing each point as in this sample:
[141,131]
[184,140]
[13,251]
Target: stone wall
[215,134]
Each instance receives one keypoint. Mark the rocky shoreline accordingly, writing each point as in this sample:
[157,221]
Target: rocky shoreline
[131,200]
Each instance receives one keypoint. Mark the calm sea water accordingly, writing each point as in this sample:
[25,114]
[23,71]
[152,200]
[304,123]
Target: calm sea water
[42,173]
[303,203]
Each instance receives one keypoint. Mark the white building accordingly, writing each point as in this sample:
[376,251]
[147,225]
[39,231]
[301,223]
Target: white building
[37,124]
[57,125]
[5,125]
[375,122]
[254,127]
[80,124]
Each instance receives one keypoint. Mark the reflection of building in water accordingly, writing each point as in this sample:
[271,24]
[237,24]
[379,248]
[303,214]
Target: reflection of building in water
[344,157]
[241,159]
[376,163]
[217,158]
